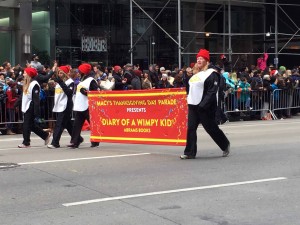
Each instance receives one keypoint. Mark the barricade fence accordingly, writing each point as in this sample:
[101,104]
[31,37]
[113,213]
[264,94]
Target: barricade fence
[275,103]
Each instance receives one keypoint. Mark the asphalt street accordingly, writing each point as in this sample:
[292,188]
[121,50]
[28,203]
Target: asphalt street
[124,184]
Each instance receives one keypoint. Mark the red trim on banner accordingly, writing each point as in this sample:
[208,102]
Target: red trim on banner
[140,116]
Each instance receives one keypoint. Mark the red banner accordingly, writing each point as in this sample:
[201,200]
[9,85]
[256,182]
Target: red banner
[140,117]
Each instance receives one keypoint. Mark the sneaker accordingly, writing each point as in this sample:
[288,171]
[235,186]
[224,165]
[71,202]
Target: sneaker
[226,151]
[187,157]
[23,146]
[52,146]
[47,140]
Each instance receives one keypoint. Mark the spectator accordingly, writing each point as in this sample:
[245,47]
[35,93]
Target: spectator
[120,83]
[2,102]
[243,94]
[128,73]
[106,84]
[136,82]
[266,97]
[11,94]
[7,69]
[164,83]
[146,82]
[153,76]
[35,61]
[262,61]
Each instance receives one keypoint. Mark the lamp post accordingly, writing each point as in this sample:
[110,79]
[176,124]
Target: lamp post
[153,44]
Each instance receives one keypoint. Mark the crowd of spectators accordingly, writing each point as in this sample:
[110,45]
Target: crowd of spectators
[242,89]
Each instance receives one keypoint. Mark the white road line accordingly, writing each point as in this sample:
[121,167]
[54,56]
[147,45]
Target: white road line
[170,191]
[77,159]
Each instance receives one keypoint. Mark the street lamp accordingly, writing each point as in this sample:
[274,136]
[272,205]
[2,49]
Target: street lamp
[153,44]
[268,34]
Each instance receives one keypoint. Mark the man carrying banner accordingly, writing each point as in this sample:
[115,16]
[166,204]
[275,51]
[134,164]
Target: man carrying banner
[81,105]
[202,105]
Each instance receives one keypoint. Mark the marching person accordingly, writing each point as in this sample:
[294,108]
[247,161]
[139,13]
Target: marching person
[63,104]
[202,105]
[31,109]
[81,105]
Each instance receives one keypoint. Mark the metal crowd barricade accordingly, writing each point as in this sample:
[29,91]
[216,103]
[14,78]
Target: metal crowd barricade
[285,100]
[235,101]
[16,119]
[246,101]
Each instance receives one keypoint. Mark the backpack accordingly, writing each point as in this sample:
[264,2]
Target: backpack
[43,95]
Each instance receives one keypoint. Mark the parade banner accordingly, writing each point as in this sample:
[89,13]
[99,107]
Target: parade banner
[156,117]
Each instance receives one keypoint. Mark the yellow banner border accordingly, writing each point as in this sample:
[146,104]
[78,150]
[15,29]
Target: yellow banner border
[140,139]
[107,95]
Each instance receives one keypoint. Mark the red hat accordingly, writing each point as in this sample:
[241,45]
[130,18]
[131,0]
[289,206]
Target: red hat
[137,73]
[31,72]
[273,72]
[65,69]
[203,53]
[192,65]
[85,68]
[117,68]
[222,56]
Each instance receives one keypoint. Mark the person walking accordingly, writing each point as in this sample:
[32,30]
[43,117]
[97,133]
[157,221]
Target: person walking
[202,106]
[63,105]
[81,105]
[31,109]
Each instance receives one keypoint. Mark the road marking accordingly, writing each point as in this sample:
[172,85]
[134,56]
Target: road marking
[170,191]
[78,159]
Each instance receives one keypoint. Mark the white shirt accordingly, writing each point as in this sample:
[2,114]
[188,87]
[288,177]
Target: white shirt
[81,101]
[60,97]
[27,97]
[196,84]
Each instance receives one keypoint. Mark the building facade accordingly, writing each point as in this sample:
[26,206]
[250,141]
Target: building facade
[72,31]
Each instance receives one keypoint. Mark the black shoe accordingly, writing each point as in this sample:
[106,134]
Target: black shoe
[226,151]
[72,146]
[187,157]
[82,140]
[94,144]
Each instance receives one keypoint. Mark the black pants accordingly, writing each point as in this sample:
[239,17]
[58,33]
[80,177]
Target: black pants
[80,117]
[29,125]
[63,121]
[207,119]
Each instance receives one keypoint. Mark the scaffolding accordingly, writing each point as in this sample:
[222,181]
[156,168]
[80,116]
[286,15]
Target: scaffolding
[226,6]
